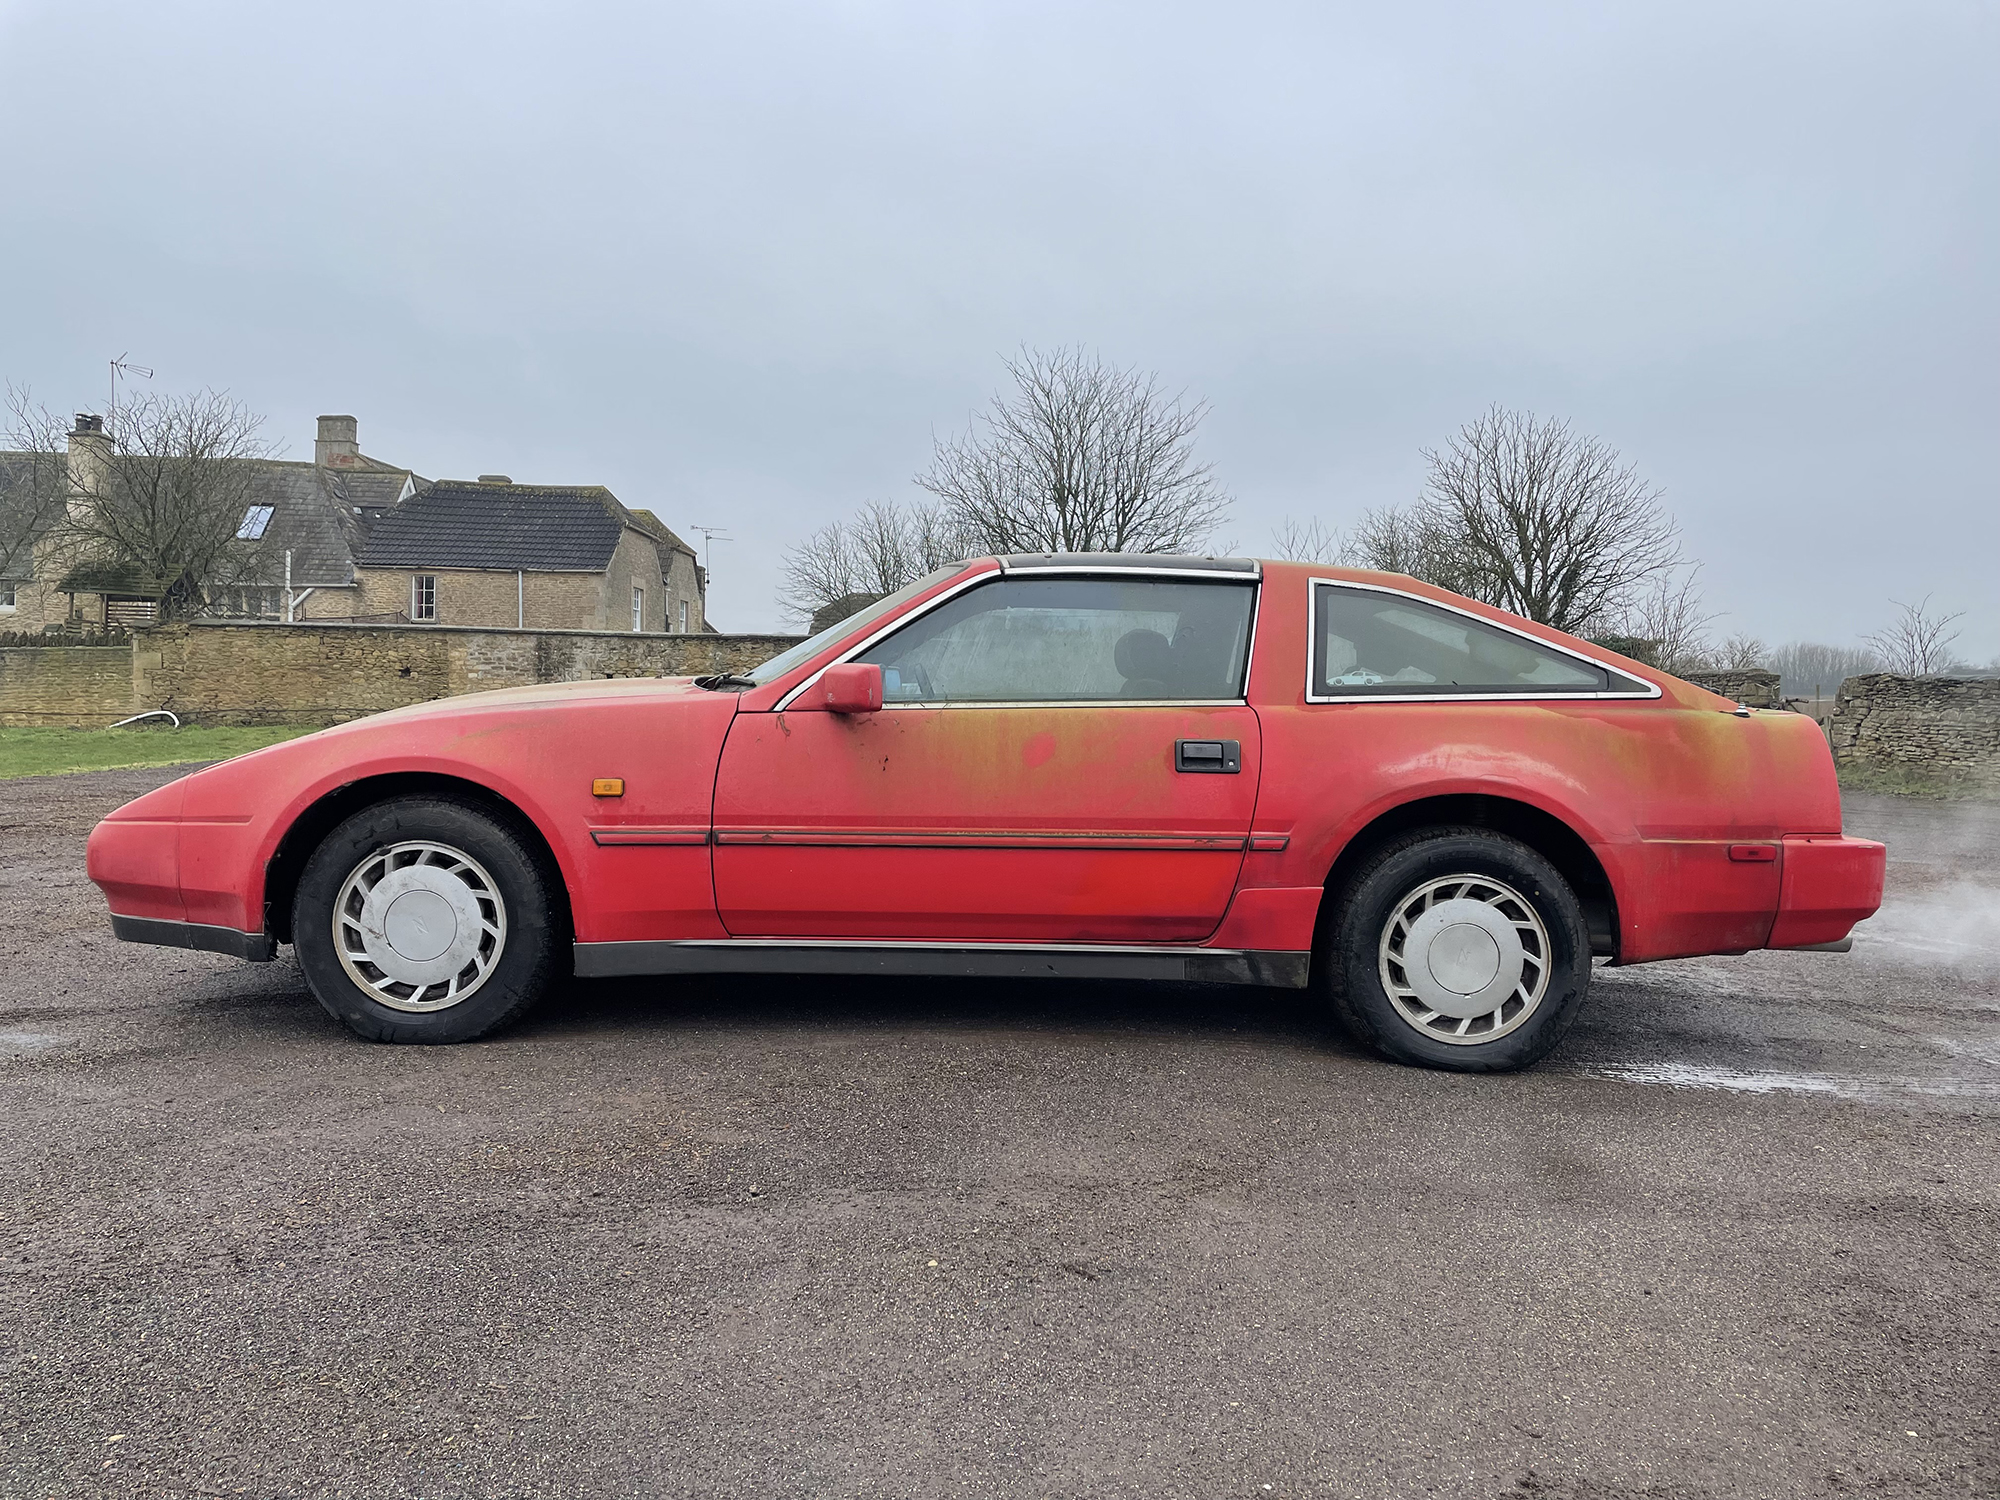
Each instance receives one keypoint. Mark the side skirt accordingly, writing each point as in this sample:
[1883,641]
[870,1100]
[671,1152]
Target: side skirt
[1280,970]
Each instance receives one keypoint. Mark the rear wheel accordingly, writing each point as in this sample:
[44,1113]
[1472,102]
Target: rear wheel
[424,920]
[1458,948]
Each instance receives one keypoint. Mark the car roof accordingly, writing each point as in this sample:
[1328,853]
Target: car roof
[1127,562]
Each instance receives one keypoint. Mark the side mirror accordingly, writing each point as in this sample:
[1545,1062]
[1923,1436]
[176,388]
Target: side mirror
[851,688]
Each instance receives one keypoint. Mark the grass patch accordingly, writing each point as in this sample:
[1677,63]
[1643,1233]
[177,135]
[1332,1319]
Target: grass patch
[1900,781]
[49,752]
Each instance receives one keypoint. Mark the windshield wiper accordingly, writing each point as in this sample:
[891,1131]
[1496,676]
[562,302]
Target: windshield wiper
[722,682]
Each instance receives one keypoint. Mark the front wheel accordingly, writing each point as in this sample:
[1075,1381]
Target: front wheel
[424,920]
[1458,948]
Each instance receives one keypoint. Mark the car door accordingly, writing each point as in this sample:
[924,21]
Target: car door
[1060,757]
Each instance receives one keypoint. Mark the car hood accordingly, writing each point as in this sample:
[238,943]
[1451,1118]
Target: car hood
[501,699]
[445,721]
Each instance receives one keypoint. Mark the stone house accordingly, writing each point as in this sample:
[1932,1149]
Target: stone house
[561,557]
[301,525]
[496,553]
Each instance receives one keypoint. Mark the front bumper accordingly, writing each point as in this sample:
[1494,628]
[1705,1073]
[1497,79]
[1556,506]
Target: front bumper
[1830,882]
[258,947]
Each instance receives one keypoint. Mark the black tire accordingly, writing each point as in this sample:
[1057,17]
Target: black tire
[510,975]
[1354,959]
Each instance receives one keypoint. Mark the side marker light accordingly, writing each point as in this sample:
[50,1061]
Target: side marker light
[608,786]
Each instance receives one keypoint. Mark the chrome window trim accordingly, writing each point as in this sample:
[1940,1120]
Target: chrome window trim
[950,704]
[1255,583]
[1252,574]
[1314,585]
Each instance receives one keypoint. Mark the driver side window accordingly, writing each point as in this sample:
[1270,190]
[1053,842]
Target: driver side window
[1040,640]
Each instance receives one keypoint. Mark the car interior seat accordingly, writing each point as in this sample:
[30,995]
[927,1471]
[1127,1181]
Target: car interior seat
[1145,661]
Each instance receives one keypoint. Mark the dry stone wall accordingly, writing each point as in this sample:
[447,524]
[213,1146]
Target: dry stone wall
[1752,687]
[72,686]
[241,672]
[1930,728]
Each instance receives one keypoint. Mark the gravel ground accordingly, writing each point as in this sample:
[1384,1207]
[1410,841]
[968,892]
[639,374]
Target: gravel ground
[1737,1237]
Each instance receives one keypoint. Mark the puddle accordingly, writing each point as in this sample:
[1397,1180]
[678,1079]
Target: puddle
[1759,1081]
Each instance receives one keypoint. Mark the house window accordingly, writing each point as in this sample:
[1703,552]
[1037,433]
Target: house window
[248,603]
[684,617]
[638,607]
[423,596]
[7,587]
[255,519]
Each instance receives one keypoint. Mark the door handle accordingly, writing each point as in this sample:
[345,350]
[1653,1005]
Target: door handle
[1208,757]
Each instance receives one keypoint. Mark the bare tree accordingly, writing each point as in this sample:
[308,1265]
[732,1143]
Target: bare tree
[1545,522]
[875,552]
[1741,653]
[34,483]
[1810,667]
[1668,616]
[1917,643]
[1410,542]
[165,502]
[1079,457]
[1310,540]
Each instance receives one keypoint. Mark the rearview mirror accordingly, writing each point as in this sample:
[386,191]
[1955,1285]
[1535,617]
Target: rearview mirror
[851,688]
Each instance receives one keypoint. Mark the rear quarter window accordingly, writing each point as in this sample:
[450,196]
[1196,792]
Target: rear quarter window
[1376,643]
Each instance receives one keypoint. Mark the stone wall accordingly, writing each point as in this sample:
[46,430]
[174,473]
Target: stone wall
[242,672]
[1753,688]
[1943,729]
[65,685]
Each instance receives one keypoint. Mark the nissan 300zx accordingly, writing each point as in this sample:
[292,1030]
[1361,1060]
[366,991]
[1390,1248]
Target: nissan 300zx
[1432,813]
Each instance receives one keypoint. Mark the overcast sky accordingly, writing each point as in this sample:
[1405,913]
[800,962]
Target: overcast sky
[740,261]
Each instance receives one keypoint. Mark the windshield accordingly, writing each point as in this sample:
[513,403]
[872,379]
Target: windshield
[806,650]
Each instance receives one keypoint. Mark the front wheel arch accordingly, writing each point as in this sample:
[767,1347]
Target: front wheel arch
[310,828]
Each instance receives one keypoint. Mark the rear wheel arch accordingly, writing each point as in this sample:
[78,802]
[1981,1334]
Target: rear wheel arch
[1550,837]
[310,828]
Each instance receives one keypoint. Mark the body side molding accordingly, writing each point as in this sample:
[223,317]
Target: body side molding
[890,838]
[1283,970]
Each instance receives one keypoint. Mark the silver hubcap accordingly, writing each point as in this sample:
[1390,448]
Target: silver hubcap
[419,926]
[1465,959]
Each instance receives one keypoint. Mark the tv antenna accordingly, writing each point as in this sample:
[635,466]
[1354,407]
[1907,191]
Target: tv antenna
[119,366]
[710,535]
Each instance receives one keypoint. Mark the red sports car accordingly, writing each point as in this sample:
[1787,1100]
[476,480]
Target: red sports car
[1432,812]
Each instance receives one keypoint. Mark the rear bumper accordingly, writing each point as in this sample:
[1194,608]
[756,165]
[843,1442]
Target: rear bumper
[258,947]
[1830,882]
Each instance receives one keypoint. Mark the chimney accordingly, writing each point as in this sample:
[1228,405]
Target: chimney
[88,459]
[338,445]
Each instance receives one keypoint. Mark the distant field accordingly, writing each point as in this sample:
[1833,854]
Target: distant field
[49,752]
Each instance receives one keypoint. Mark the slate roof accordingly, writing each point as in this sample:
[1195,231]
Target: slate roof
[370,488]
[659,531]
[531,528]
[308,517]
[321,515]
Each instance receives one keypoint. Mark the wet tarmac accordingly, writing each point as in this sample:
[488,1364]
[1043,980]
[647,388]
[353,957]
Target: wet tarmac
[1740,1235]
